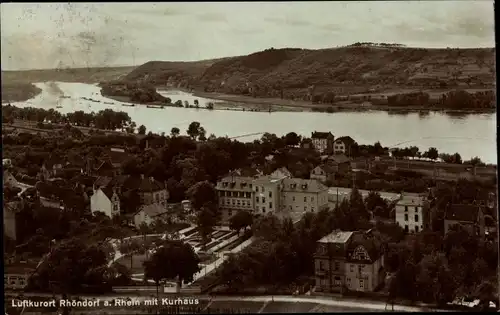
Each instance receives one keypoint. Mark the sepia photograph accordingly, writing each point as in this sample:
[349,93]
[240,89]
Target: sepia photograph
[249,157]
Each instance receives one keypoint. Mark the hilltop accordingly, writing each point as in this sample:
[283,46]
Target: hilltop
[297,73]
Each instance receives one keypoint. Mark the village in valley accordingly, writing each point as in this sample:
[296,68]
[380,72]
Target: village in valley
[291,215]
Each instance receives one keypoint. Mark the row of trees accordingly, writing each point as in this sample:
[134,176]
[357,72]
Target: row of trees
[458,100]
[104,119]
[434,154]
[436,270]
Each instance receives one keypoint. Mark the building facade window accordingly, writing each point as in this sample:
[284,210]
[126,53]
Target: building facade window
[416,217]
[416,229]
[406,228]
[406,208]
[270,194]
[270,205]
[406,217]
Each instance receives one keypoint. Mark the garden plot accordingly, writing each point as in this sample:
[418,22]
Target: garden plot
[233,244]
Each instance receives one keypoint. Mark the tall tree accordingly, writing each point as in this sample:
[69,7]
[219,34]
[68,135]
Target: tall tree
[175,131]
[204,201]
[193,129]
[173,260]
[240,220]
[141,130]
[292,139]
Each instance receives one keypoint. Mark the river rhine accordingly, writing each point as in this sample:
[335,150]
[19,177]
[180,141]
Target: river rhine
[468,134]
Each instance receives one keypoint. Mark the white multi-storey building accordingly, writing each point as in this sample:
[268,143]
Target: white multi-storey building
[411,211]
[270,194]
[323,142]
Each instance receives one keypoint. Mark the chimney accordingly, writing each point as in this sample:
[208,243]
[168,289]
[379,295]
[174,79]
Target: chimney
[142,176]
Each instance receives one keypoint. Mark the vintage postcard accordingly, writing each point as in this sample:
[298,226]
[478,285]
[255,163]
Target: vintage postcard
[249,157]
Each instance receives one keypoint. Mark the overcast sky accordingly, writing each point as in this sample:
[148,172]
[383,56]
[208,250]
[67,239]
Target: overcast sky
[38,36]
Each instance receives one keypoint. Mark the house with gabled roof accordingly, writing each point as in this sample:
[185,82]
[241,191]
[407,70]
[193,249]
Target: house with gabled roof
[281,172]
[349,261]
[51,166]
[469,216]
[343,145]
[365,264]
[323,173]
[340,163]
[105,197]
[109,190]
[323,142]
[148,214]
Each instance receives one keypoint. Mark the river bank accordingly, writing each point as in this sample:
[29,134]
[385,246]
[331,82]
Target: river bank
[340,106]
[217,104]
[18,92]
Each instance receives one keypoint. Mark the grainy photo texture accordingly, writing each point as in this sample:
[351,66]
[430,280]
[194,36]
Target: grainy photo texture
[275,157]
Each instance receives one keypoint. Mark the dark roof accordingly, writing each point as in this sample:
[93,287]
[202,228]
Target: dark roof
[85,180]
[149,185]
[52,160]
[339,159]
[328,169]
[370,242]
[321,135]
[346,140]
[464,213]
[246,172]
[129,183]
[105,165]
[117,156]
[108,191]
[102,181]
[76,160]
[336,237]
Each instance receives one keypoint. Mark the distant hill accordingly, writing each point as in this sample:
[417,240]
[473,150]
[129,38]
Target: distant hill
[84,75]
[359,68]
